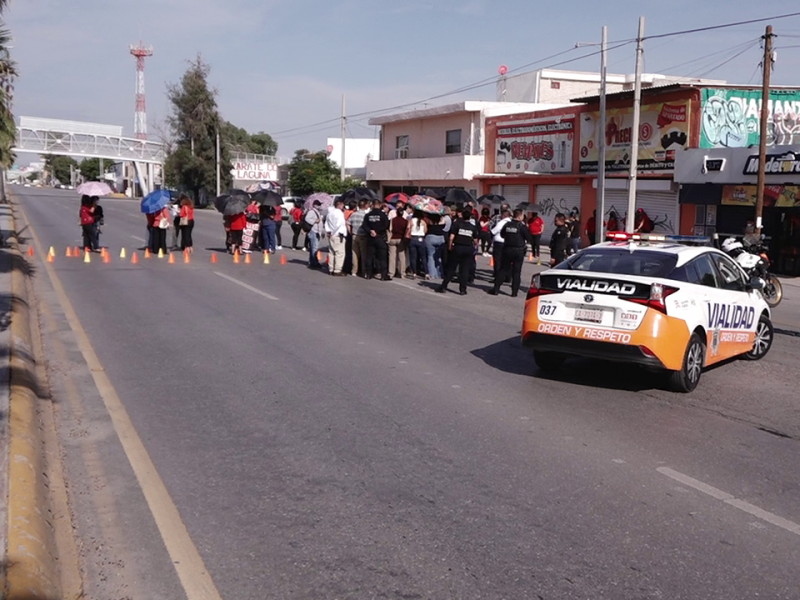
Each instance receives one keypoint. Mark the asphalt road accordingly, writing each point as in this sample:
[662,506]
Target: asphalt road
[337,438]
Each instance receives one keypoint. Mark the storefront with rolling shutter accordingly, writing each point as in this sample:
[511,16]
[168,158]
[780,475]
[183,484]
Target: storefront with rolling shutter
[655,197]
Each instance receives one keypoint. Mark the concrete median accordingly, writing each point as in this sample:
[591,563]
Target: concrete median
[31,564]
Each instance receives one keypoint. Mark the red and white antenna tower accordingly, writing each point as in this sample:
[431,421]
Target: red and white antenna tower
[140,116]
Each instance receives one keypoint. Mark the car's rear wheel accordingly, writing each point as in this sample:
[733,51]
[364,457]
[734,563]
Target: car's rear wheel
[765,333]
[773,291]
[548,361]
[686,379]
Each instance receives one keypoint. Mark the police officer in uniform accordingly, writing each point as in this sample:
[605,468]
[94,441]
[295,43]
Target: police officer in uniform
[377,224]
[463,239]
[559,241]
[515,235]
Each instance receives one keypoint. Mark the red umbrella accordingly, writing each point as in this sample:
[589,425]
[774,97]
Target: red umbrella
[397,197]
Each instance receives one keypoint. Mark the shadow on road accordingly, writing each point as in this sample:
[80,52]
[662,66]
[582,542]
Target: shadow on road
[510,357]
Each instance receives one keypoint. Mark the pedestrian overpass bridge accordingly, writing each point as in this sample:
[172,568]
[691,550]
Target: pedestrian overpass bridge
[90,140]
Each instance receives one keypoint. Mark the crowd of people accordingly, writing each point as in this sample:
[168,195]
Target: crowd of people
[375,240]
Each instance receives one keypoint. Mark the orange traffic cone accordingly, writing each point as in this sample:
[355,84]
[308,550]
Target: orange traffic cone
[103,252]
[69,252]
[247,258]
[134,259]
[171,258]
[530,257]
[186,257]
[214,259]
[77,252]
[491,261]
[50,258]
[266,257]
[107,258]
[283,259]
[236,257]
[319,256]
[147,252]
[30,250]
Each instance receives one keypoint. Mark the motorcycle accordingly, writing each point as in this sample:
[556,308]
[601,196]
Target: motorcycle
[753,259]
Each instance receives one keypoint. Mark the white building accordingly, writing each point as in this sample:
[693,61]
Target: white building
[555,86]
[439,147]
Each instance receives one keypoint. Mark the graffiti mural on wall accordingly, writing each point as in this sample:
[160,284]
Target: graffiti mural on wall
[731,118]
[661,223]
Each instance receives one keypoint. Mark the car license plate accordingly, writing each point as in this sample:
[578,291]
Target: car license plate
[589,315]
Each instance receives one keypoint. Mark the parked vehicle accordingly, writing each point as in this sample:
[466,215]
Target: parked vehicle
[753,259]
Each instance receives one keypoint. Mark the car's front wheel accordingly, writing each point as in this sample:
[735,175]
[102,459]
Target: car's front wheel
[548,361]
[763,340]
[686,379]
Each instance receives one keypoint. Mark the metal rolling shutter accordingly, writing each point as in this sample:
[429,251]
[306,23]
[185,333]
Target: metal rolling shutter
[517,194]
[554,199]
[661,207]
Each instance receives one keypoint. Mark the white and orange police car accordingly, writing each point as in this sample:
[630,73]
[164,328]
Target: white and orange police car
[665,302]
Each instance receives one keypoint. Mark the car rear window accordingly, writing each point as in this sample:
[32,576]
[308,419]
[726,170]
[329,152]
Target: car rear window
[622,261]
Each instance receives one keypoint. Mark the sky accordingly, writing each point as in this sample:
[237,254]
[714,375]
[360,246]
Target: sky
[280,65]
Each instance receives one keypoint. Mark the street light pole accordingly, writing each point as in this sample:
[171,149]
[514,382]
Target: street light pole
[601,142]
[637,104]
[762,138]
[219,179]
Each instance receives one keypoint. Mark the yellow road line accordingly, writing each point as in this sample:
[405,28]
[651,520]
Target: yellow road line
[189,565]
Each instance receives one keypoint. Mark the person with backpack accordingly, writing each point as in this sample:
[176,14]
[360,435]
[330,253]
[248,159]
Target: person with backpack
[312,226]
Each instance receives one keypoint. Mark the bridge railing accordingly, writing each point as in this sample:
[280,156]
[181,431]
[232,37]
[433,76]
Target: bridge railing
[86,145]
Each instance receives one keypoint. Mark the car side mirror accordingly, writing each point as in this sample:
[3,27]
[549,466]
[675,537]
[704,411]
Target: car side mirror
[755,283]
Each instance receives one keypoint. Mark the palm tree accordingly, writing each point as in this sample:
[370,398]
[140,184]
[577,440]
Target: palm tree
[8,131]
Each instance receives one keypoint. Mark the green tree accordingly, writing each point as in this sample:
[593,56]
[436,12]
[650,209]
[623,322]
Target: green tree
[262,143]
[194,123]
[90,168]
[59,167]
[8,71]
[314,172]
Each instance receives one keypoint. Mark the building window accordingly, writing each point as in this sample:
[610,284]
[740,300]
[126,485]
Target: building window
[555,85]
[453,142]
[401,146]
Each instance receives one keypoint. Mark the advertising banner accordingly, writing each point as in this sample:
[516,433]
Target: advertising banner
[781,196]
[535,145]
[663,130]
[731,118]
[250,236]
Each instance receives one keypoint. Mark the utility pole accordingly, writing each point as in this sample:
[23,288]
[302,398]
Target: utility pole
[601,142]
[344,137]
[762,138]
[219,180]
[637,104]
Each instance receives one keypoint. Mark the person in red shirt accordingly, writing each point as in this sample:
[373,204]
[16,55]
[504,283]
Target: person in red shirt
[186,222]
[236,223]
[86,215]
[613,222]
[536,227]
[296,219]
[485,234]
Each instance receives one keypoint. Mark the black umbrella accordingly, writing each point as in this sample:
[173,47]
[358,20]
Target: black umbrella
[268,198]
[437,193]
[457,196]
[232,204]
[358,194]
[491,199]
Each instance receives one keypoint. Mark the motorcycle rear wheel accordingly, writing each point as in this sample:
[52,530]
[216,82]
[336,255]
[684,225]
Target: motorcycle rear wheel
[773,291]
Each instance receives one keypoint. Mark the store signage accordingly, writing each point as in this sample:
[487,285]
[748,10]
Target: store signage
[781,196]
[788,163]
[663,130]
[535,145]
[252,171]
[714,165]
[731,118]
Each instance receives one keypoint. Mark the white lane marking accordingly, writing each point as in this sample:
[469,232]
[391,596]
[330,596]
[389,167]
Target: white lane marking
[728,499]
[418,289]
[141,239]
[245,286]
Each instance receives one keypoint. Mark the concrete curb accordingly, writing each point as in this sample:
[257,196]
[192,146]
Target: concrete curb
[32,568]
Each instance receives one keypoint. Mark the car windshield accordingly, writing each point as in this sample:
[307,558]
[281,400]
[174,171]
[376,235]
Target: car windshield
[622,261]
